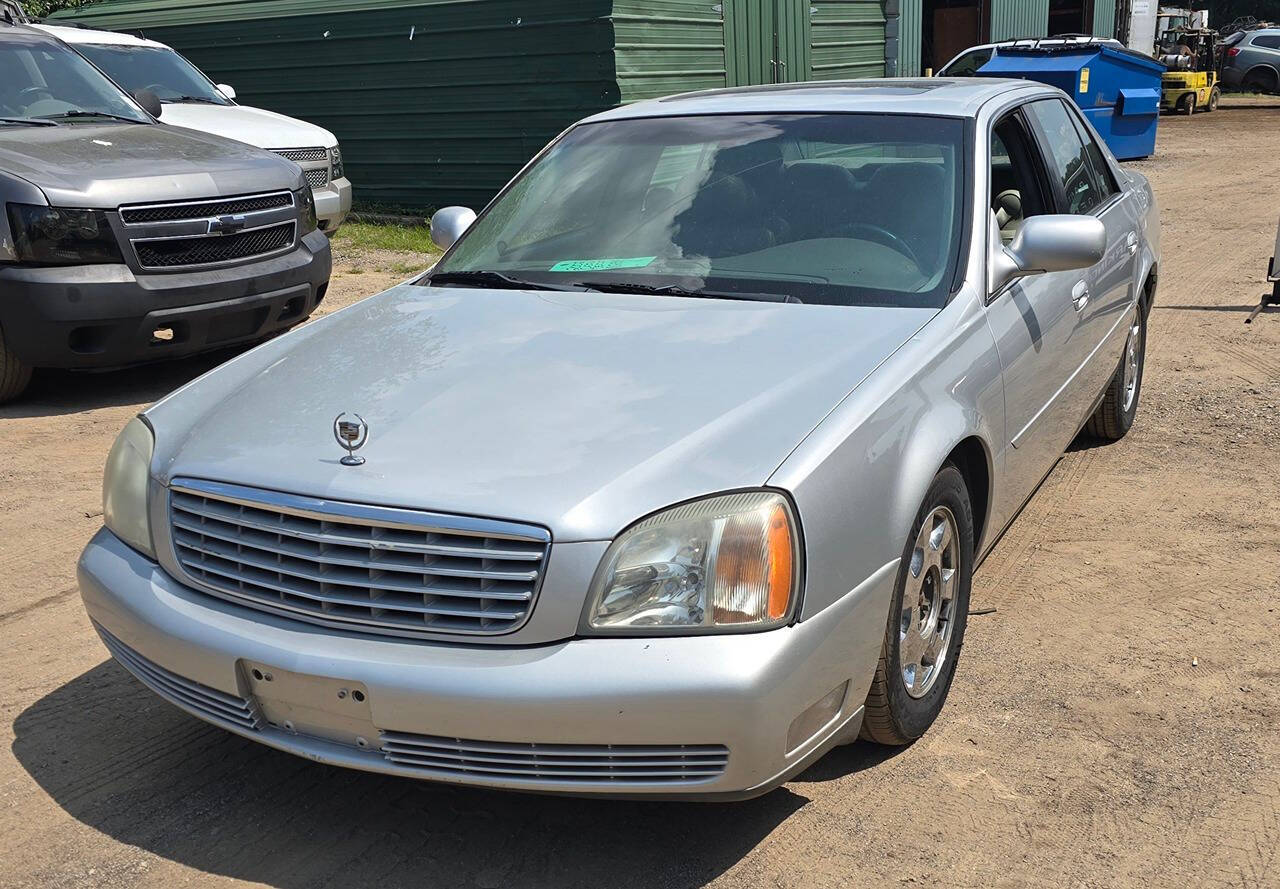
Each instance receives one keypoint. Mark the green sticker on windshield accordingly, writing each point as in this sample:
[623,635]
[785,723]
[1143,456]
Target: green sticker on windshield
[601,265]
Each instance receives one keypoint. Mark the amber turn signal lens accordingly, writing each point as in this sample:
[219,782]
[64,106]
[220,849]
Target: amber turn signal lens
[753,567]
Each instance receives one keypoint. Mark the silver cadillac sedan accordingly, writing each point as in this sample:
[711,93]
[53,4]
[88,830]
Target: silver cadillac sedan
[672,474]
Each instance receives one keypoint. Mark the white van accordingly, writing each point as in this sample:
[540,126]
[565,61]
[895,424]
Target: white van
[192,100]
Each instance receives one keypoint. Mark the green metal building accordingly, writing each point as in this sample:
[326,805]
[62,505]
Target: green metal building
[440,101]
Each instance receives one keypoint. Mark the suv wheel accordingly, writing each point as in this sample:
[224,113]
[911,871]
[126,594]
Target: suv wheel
[14,375]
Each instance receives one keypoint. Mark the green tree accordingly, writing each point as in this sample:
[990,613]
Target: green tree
[38,9]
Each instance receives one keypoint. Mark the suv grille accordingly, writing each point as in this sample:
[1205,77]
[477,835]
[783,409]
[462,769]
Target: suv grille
[206,249]
[318,178]
[205,209]
[303,154]
[376,569]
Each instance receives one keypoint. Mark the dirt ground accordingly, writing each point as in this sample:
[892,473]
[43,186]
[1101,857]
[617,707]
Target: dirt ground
[1113,723]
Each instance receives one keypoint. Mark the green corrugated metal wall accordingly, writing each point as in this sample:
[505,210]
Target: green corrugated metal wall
[910,29]
[441,101]
[848,39]
[1019,18]
[1104,18]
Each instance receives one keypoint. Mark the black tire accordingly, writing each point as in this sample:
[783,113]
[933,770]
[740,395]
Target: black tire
[1187,104]
[14,375]
[1114,416]
[1215,96]
[893,715]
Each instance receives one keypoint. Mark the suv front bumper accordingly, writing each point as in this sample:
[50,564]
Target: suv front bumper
[292,686]
[103,316]
[333,203]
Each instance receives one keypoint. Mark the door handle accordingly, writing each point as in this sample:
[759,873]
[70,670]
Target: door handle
[1080,295]
[1131,240]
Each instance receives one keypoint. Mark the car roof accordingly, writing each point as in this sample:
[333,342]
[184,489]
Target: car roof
[75,35]
[932,96]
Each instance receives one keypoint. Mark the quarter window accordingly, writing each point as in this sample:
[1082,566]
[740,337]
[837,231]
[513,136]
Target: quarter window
[1268,41]
[1068,157]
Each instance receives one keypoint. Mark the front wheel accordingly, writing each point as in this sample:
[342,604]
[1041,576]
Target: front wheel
[1187,104]
[1114,417]
[14,375]
[927,617]
[1215,96]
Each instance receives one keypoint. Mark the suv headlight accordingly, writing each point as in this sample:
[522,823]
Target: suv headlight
[335,163]
[306,209]
[729,563]
[124,487]
[58,236]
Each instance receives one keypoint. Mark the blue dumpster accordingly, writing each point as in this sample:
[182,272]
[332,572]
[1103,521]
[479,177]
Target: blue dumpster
[1117,89]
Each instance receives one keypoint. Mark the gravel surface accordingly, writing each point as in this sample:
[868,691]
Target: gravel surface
[1113,722]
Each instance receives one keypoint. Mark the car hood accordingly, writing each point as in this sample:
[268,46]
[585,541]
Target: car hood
[257,126]
[578,411]
[103,166]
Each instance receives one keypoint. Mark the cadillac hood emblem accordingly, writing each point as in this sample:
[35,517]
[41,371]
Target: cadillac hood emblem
[352,435]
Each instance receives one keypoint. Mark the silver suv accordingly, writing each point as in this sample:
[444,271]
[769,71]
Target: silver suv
[124,241]
[1253,62]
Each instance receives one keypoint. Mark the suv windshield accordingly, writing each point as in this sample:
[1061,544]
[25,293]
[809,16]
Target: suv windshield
[841,209]
[161,70]
[46,81]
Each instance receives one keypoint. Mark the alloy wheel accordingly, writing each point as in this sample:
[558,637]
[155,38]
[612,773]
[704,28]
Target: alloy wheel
[928,602]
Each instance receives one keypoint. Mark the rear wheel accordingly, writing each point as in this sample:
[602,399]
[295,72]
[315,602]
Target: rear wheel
[14,375]
[927,617]
[1114,417]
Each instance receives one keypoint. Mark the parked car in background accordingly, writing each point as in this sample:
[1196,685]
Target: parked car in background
[124,241]
[967,63]
[673,472]
[192,100]
[1253,61]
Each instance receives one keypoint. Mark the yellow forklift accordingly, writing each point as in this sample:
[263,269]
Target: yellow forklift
[1190,81]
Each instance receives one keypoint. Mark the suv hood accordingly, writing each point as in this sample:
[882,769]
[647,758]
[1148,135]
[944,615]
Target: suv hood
[257,126]
[103,166]
[581,412]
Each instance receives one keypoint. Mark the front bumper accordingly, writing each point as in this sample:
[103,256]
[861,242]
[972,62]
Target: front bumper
[104,316]
[494,709]
[333,203]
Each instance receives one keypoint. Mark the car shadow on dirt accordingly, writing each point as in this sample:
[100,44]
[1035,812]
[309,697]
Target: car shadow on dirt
[59,392]
[124,762]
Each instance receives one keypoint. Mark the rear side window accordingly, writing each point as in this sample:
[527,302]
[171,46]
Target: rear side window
[1270,41]
[1068,157]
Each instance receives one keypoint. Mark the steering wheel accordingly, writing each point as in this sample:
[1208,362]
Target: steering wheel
[34,91]
[883,236]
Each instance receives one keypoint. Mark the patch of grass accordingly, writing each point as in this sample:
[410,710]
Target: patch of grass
[400,238]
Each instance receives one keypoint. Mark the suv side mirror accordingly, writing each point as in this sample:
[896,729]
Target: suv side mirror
[225,90]
[448,224]
[1054,243]
[149,101]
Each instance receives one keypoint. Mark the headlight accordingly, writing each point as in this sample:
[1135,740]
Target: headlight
[724,564]
[56,236]
[335,163]
[307,209]
[124,487]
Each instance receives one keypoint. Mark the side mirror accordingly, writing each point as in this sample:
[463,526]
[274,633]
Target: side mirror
[149,101]
[448,224]
[1054,243]
[225,90]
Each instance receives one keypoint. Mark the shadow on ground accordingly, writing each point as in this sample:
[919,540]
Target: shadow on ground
[58,392]
[127,764]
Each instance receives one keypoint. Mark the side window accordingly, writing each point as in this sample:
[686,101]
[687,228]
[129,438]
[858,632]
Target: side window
[1067,157]
[1269,41]
[969,63]
[1097,162]
[1016,176]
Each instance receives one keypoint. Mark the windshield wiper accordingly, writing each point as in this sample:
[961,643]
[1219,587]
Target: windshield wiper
[489,279]
[202,100]
[676,290]
[70,115]
[29,121]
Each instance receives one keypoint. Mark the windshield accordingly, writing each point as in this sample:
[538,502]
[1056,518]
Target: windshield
[171,77]
[47,81]
[840,209]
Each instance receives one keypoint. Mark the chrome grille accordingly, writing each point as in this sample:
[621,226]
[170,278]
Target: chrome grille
[369,568]
[214,705]
[318,178]
[186,210]
[298,155]
[161,253]
[569,763]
